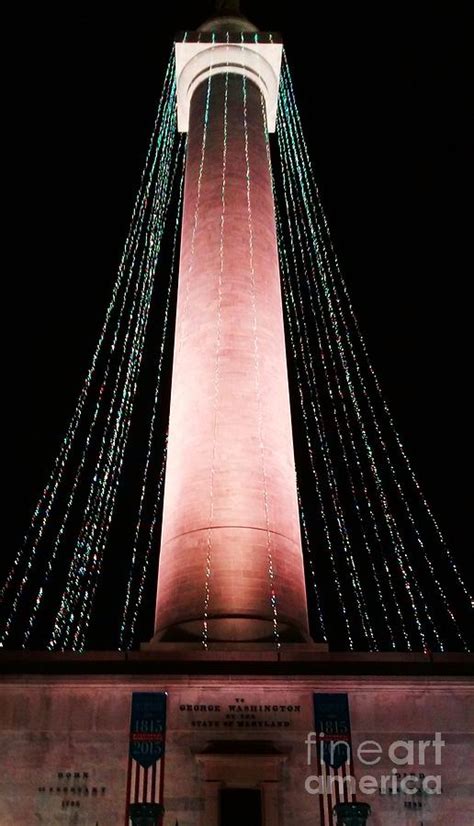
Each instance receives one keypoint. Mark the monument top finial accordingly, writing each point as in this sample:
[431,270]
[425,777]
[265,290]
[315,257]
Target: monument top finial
[227,17]
[228,7]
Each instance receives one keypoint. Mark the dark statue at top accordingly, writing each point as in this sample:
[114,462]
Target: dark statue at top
[227,17]
[228,7]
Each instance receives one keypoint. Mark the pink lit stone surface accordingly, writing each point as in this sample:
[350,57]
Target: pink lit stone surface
[59,724]
[230,485]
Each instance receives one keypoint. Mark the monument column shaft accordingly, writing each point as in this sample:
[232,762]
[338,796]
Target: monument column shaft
[230,521]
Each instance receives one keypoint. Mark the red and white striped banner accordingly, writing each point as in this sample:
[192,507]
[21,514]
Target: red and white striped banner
[144,785]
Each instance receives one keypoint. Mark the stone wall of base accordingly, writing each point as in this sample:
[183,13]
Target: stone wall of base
[64,747]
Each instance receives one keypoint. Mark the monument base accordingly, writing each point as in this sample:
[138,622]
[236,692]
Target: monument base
[237,721]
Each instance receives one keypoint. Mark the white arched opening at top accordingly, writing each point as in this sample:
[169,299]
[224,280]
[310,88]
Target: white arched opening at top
[195,62]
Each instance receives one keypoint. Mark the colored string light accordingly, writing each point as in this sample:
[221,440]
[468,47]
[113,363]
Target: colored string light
[160,152]
[28,551]
[115,345]
[128,627]
[294,329]
[331,322]
[84,572]
[306,546]
[378,531]
[403,562]
[314,580]
[312,381]
[444,545]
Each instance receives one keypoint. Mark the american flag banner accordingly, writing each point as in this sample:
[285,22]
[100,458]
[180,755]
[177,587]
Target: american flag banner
[146,756]
[334,759]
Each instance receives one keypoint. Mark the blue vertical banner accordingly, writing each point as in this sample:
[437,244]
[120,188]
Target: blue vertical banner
[333,728]
[332,724]
[146,754]
[148,727]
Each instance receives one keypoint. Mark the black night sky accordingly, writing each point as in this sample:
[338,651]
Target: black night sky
[383,91]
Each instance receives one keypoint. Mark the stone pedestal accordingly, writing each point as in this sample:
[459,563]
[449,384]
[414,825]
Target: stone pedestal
[232,724]
[352,814]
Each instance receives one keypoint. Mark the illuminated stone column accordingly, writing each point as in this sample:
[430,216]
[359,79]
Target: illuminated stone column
[230,521]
